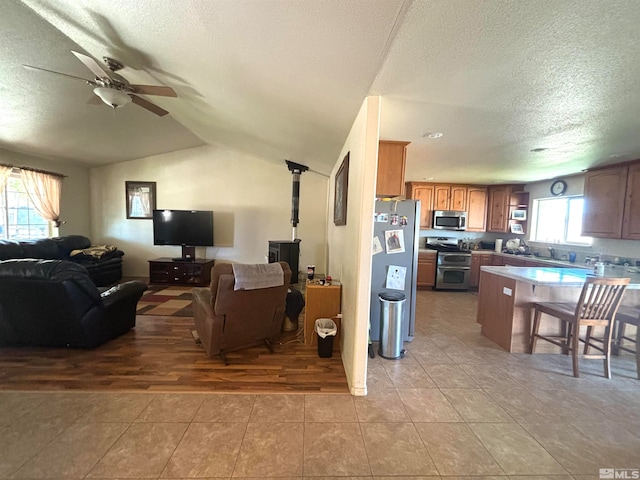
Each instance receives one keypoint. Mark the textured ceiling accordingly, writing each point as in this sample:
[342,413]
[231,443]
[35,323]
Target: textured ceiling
[285,79]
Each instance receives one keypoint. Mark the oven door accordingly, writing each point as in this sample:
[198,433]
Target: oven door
[455,278]
[454,259]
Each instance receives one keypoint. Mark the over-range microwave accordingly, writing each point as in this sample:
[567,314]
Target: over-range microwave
[449,220]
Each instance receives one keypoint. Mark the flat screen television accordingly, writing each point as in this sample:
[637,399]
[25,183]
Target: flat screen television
[188,228]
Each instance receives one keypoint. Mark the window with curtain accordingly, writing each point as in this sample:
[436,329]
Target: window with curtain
[19,219]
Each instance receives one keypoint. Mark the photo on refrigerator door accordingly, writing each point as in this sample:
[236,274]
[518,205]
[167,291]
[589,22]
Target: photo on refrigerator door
[377,246]
[394,240]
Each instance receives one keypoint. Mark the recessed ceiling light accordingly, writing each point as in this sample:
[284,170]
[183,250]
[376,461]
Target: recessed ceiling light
[538,150]
[433,135]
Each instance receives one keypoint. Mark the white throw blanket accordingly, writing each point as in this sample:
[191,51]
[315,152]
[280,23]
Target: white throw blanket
[261,275]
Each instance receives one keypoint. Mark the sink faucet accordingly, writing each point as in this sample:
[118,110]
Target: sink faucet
[552,252]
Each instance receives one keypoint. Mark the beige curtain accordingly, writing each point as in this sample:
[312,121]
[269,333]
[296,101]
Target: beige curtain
[44,191]
[5,171]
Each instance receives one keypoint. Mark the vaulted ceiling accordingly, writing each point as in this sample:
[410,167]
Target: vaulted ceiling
[521,91]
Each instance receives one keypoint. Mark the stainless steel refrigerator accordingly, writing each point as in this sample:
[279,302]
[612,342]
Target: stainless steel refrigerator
[396,230]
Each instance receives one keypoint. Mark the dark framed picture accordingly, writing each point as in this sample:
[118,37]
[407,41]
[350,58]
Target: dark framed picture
[140,199]
[342,185]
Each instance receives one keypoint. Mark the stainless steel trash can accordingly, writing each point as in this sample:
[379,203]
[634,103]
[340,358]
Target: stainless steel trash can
[391,318]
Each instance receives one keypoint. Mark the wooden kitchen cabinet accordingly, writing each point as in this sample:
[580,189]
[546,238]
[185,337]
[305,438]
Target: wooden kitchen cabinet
[498,207]
[478,260]
[450,197]
[425,193]
[519,202]
[426,269]
[391,164]
[476,209]
[631,218]
[604,197]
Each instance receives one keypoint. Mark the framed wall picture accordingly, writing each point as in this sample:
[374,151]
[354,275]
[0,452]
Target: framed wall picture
[340,200]
[518,214]
[517,228]
[140,199]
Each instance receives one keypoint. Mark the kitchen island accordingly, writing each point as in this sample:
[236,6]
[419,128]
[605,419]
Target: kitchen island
[506,296]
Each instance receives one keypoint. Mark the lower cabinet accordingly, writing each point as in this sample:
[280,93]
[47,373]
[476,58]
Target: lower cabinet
[426,269]
[320,302]
[165,270]
[478,260]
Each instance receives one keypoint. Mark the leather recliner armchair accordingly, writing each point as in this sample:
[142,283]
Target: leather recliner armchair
[228,319]
[54,303]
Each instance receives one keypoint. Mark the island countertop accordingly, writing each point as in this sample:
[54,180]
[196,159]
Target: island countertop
[560,277]
[507,294]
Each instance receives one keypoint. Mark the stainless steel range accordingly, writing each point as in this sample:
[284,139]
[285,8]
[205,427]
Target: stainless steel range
[453,267]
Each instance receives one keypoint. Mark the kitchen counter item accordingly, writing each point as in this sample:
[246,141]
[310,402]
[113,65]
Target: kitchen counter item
[498,245]
[512,245]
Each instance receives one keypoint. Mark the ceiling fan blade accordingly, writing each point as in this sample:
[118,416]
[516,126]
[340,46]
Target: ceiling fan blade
[154,90]
[148,105]
[30,67]
[91,64]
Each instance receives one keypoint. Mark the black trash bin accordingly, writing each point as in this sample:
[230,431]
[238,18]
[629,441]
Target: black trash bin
[326,330]
[391,318]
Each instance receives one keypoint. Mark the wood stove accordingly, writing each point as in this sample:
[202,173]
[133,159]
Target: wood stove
[286,251]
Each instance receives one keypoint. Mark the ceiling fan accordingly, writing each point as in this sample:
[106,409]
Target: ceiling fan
[112,88]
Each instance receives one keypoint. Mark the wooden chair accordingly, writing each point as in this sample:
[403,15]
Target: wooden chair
[627,316]
[597,306]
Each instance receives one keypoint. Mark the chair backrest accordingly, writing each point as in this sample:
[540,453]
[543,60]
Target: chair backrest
[250,315]
[600,298]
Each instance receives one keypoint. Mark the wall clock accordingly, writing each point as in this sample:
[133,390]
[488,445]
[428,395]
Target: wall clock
[558,187]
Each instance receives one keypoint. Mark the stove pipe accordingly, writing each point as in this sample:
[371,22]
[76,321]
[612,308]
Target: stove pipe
[296,170]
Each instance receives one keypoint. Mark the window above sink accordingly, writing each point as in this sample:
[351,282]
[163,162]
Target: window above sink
[559,220]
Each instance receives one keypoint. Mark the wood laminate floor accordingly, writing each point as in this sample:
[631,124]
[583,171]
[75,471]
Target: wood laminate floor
[160,355]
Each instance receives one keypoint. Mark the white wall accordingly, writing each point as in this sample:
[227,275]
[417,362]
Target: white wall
[250,198]
[74,204]
[350,245]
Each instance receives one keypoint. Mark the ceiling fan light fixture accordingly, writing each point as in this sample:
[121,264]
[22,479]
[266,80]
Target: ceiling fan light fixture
[112,97]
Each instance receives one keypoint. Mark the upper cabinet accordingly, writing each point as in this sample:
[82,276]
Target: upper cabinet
[499,205]
[610,208]
[518,212]
[498,208]
[425,193]
[450,197]
[439,196]
[631,219]
[604,195]
[476,209]
[391,163]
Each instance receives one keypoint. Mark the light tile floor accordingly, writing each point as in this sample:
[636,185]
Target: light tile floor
[456,406]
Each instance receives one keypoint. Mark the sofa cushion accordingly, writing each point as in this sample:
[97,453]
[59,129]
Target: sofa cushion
[72,242]
[10,249]
[44,248]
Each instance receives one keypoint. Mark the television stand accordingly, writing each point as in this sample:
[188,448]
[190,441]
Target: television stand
[182,259]
[168,271]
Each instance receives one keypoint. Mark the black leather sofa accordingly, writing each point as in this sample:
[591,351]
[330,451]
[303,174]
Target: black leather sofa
[54,303]
[104,270]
